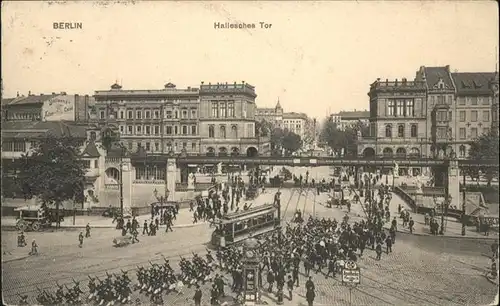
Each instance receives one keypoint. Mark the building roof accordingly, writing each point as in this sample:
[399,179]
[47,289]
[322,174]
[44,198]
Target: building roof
[434,74]
[353,114]
[473,83]
[278,105]
[32,99]
[294,115]
[7,101]
[91,150]
[35,129]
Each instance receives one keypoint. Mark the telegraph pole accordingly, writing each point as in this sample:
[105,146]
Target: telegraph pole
[463,204]
[121,180]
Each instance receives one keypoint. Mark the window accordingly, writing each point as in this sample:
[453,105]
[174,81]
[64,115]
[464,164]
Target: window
[461,151]
[401,108]
[148,130]
[169,130]
[122,114]
[230,109]
[176,130]
[473,116]
[102,115]
[157,146]
[19,146]
[150,173]
[169,114]
[215,112]
[130,114]
[122,129]
[223,131]
[86,164]
[138,129]
[401,130]
[479,100]
[157,129]
[410,108]
[413,130]
[148,146]
[486,101]
[193,146]
[148,115]
[138,115]
[440,100]
[96,164]
[93,136]
[474,101]
[486,116]
[222,110]
[388,131]
[129,128]
[473,132]
[184,144]
[441,132]
[184,114]
[390,108]
[462,116]
[130,146]
[442,115]
[461,101]
[211,131]
[193,130]
[461,133]
[184,130]
[193,113]
[156,114]
[468,100]
[176,114]
[486,131]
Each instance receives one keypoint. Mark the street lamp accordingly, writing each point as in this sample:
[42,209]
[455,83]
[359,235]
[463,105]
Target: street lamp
[122,149]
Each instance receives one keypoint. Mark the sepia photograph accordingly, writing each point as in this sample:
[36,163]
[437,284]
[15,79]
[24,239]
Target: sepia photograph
[250,153]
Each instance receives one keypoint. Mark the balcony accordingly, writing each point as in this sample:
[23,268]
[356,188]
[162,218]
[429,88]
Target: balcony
[112,160]
[395,140]
[94,172]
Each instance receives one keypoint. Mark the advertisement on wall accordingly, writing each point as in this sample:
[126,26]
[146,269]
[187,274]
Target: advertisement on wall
[59,108]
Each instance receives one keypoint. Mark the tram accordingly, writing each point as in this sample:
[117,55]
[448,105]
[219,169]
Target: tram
[237,226]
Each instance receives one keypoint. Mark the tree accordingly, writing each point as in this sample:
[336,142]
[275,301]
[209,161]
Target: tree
[338,139]
[109,139]
[54,172]
[291,142]
[485,148]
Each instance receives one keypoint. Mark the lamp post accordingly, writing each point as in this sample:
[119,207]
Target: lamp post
[121,179]
[463,205]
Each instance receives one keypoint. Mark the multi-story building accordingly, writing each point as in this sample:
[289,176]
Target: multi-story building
[271,115]
[51,107]
[295,123]
[346,119]
[436,115]
[159,121]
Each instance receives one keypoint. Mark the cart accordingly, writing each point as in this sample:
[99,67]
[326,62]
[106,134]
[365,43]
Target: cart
[34,218]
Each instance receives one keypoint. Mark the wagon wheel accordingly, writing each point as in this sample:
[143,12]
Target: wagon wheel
[21,225]
[35,226]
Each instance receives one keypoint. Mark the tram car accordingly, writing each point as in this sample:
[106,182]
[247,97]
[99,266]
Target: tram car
[238,226]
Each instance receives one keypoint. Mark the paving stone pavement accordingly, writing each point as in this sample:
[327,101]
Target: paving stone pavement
[421,270]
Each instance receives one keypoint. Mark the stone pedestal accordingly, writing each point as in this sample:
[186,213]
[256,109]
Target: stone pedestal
[454,183]
[171,178]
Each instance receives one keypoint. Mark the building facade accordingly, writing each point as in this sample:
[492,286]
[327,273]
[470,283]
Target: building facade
[271,115]
[347,119]
[51,107]
[437,114]
[296,123]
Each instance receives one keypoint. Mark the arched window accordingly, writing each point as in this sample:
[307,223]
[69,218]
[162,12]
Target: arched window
[462,151]
[234,131]
[223,131]
[401,131]
[388,131]
[211,131]
[387,152]
[413,130]
[93,136]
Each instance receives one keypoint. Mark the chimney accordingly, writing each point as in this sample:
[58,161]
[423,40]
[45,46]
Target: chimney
[41,94]
[396,82]
[18,94]
[386,82]
[189,87]
[53,93]
[243,82]
[202,82]
[29,93]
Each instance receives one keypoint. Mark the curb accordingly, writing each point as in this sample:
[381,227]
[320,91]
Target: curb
[15,259]
[448,236]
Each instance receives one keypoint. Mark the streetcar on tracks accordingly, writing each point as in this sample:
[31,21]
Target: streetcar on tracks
[238,226]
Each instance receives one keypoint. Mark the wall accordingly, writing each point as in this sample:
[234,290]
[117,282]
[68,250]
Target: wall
[59,108]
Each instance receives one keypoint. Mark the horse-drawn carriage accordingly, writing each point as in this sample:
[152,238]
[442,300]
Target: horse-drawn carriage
[122,241]
[33,218]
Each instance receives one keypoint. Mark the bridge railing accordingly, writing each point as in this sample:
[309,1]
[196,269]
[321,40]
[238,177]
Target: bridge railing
[406,197]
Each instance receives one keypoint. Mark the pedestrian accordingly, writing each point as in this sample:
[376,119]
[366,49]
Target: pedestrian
[310,295]
[34,248]
[197,296]
[270,280]
[378,250]
[87,231]
[289,284]
[80,238]
[331,268]
[388,243]
[295,275]
[494,249]
[410,224]
[145,228]
[135,233]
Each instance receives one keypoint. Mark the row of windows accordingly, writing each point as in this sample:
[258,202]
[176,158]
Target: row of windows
[87,163]
[156,146]
[474,100]
[401,108]
[23,116]
[155,114]
[156,130]
[401,130]
[222,131]
[14,146]
[462,132]
[474,116]
[223,109]
[150,173]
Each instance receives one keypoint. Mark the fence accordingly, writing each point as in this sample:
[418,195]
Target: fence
[406,197]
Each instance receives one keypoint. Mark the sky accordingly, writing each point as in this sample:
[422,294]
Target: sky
[316,57]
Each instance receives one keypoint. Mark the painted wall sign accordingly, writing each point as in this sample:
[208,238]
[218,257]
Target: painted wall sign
[59,108]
